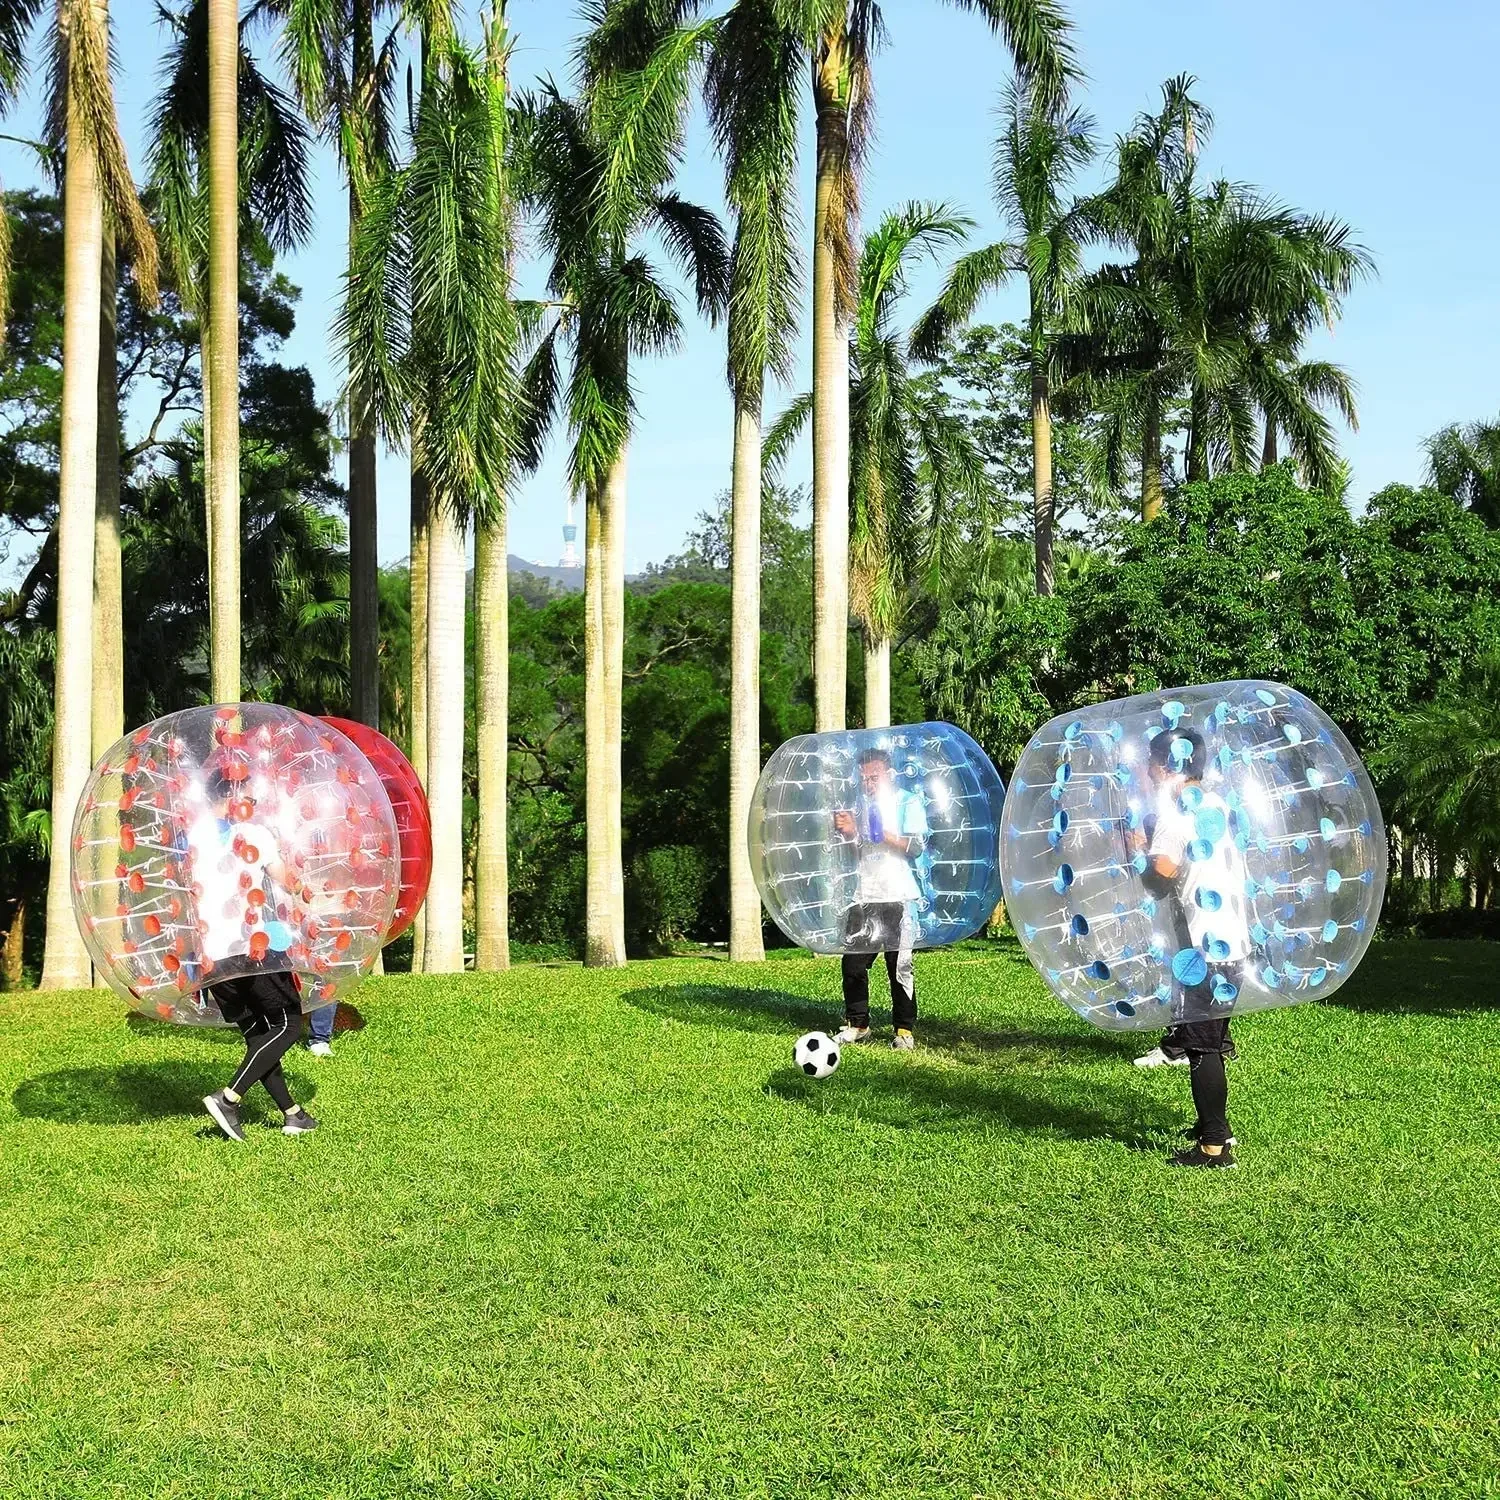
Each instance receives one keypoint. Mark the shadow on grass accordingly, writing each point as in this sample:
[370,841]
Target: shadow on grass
[775,1011]
[134,1093]
[911,1097]
[1424,977]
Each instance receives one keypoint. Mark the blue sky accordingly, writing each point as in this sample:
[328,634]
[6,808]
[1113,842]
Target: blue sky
[1378,111]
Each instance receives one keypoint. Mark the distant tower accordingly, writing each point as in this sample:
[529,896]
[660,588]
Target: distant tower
[570,539]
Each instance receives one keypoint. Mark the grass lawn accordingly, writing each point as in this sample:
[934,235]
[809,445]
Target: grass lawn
[570,1233]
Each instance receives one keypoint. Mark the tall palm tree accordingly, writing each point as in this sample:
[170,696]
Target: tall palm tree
[593,201]
[97,180]
[222,377]
[1039,151]
[840,38]
[752,86]
[909,457]
[1463,463]
[344,79]
[272,201]
[430,333]
[492,623]
[1224,286]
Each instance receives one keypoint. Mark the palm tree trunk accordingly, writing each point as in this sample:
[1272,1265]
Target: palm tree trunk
[364,581]
[109,652]
[1268,446]
[12,971]
[1041,480]
[599,950]
[421,505]
[613,612]
[877,683]
[746,942]
[205,364]
[1151,460]
[830,414]
[1197,449]
[492,667]
[447,566]
[223,317]
[65,964]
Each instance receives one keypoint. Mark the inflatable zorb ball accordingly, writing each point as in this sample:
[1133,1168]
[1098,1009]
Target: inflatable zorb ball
[869,840]
[223,842]
[1191,854]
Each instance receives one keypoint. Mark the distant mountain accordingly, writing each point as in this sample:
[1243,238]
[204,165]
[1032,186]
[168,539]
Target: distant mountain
[570,579]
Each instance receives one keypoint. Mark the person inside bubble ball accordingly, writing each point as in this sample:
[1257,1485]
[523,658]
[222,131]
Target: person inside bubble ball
[1196,872]
[889,826]
[234,871]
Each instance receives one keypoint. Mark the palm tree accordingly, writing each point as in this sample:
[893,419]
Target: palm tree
[1463,463]
[596,191]
[97,179]
[222,376]
[1224,286]
[1444,760]
[492,631]
[344,81]
[840,38]
[1036,158]
[909,456]
[752,89]
[430,333]
[271,201]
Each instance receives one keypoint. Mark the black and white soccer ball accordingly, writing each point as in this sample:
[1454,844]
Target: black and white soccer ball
[816,1054]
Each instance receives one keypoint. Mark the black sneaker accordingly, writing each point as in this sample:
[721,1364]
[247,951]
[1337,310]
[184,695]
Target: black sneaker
[1194,1132]
[298,1122]
[225,1115]
[1196,1156]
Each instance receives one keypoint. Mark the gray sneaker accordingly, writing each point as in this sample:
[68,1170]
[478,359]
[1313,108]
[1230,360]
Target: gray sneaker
[1156,1058]
[848,1033]
[225,1115]
[904,1041]
[298,1122]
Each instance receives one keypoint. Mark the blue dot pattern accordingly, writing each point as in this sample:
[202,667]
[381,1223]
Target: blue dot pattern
[808,875]
[1283,851]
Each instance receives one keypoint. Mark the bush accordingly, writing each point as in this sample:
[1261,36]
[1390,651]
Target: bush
[665,894]
[1460,922]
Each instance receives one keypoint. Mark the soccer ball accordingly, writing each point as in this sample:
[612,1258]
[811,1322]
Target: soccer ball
[816,1054]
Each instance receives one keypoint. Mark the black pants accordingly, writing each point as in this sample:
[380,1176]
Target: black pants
[1206,1045]
[886,919]
[268,1011]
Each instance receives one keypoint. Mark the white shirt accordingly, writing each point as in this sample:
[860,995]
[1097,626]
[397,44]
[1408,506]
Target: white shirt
[886,874]
[216,870]
[1192,831]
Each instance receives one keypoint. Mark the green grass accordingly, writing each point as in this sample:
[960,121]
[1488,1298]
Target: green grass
[584,1234]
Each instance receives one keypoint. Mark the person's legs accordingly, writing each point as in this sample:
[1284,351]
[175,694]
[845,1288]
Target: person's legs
[272,1033]
[320,1025]
[1210,1097]
[855,969]
[902,972]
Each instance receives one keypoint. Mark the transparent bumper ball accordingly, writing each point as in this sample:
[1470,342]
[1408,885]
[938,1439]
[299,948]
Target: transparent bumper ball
[229,841]
[870,840]
[413,821]
[1192,854]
